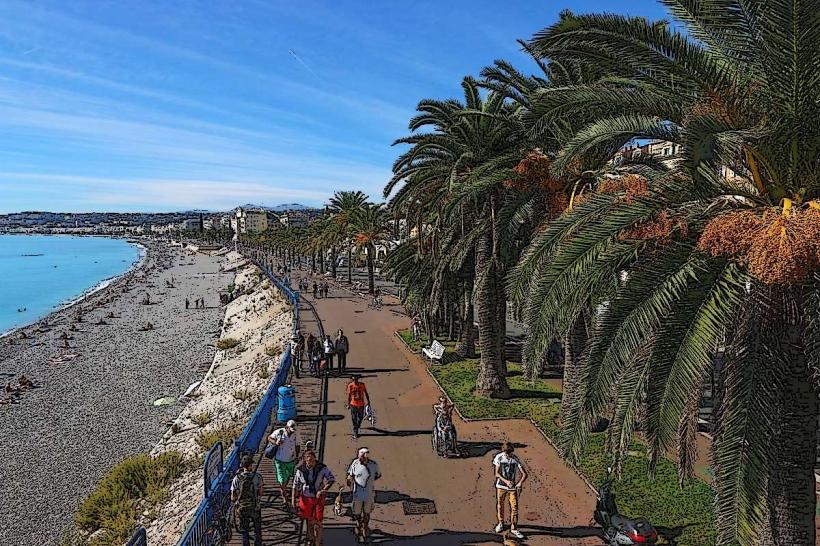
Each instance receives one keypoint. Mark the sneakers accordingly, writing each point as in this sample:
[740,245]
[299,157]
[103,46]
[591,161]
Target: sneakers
[517,534]
[499,527]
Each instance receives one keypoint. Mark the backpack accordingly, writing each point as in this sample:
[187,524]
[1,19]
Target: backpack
[248,497]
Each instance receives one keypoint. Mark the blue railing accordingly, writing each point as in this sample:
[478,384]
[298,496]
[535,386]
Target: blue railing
[140,538]
[204,528]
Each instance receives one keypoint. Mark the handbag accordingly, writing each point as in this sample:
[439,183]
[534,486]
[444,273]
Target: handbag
[270,451]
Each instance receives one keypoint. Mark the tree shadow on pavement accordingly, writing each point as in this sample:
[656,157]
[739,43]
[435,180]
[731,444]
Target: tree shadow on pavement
[469,450]
[382,432]
[580,531]
[343,536]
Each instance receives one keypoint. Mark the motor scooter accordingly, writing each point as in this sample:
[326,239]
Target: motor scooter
[618,530]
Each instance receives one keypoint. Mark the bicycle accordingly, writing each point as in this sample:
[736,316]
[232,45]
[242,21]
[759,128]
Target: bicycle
[376,303]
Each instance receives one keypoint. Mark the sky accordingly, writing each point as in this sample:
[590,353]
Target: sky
[157,105]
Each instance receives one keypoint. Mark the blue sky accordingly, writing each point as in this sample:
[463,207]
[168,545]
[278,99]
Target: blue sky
[169,105]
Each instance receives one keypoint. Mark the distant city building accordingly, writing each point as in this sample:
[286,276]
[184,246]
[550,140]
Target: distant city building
[250,221]
[189,224]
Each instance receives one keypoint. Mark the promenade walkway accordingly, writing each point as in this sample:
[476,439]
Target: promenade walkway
[556,504]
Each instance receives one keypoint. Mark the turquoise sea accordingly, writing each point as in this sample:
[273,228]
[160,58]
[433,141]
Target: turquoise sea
[39,273]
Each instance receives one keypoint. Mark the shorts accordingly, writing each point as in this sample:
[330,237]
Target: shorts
[284,471]
[365,507]
[312,508]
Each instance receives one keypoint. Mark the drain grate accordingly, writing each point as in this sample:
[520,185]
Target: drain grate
[412,508]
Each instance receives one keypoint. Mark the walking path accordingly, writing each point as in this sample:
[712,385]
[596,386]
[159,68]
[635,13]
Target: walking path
[556,505]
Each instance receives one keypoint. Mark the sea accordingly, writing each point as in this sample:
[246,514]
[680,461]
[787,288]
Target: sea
[41,273]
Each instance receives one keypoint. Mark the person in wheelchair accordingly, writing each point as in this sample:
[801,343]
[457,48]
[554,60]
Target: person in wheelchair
[445,439]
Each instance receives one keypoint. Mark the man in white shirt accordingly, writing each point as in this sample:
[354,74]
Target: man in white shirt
[361,474]
[288,444]
[509,475]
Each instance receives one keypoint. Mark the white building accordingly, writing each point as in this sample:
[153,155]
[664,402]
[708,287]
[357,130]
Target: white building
[189,224]
[250,221]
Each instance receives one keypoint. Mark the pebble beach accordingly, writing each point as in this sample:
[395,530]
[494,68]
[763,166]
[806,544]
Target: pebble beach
[94,403]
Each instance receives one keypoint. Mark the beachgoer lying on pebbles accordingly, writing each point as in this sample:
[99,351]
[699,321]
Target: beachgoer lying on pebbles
[25,383]
[11,389]
[148,326]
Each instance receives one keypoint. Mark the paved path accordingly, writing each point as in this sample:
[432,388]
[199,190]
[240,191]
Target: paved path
[556,503]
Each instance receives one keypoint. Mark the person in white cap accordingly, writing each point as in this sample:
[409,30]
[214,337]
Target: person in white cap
[288,446]
[361,475]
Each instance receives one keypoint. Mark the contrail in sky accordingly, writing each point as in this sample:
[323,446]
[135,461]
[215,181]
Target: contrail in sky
[303,63]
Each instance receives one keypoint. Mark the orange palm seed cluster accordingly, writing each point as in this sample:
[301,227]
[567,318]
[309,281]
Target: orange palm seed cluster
[534,170]
[776,248]
[634,185]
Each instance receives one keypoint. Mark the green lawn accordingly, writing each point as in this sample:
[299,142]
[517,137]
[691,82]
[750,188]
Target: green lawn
[662,501]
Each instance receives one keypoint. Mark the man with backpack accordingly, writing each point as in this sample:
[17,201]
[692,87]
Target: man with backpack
[361,475]
[246,493]
[312,482]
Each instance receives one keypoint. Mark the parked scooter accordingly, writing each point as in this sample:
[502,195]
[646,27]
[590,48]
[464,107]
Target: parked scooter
[618,530]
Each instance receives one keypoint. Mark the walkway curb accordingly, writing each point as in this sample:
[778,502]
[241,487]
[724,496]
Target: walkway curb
[549,440]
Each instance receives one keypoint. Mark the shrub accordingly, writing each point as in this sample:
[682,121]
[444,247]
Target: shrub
[271,350]
[242,394]
[227,343]
[227,435]
[201,419]
[263,372]
[117,502]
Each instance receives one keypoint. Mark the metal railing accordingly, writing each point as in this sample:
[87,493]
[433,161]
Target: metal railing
[140,538]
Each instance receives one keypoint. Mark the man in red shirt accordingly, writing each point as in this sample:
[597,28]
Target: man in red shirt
[357,398]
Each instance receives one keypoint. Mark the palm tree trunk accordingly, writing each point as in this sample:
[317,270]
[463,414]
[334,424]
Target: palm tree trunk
[333,262]
[791,488]
[574,343]
[371,281]
[349,264]
[491,382]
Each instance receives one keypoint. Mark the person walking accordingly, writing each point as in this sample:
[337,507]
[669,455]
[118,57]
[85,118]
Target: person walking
[288,445]
[328,349]
[509,475]
[361,475]
[312,482]
[357,398]
[342,347]
[326,289]
[246,494]
[315,290]
[310,348]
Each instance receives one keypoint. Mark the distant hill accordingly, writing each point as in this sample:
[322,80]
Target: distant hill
[277,208]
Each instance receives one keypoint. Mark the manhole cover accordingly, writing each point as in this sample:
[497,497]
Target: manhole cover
[416,508]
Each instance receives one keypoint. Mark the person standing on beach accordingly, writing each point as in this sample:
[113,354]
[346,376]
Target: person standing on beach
[342,347]
[312,482]
[357,398]
[187,303]
[361,475]
[288,445]
[246,494]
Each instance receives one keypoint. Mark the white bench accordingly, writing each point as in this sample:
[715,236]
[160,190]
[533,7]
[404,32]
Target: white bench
[435,352]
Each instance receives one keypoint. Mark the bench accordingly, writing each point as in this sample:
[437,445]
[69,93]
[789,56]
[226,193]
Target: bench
[435,352]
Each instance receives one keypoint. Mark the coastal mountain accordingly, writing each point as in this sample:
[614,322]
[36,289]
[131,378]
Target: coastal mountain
[277,208]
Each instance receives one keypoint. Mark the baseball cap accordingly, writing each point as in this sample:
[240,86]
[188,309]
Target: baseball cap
[363,450]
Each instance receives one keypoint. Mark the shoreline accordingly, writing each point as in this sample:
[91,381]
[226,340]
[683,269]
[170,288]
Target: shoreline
[94,404]
[91,291]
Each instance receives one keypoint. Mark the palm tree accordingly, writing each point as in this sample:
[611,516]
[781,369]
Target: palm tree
[455,173]
[370,225]
[342,205]
[721,251]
